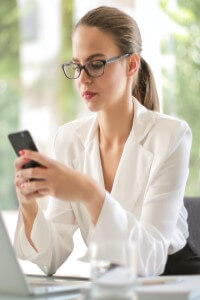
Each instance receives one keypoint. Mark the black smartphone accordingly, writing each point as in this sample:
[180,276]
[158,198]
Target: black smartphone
[23,140]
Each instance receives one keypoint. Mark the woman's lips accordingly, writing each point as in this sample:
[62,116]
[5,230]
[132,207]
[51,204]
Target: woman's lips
[88,95]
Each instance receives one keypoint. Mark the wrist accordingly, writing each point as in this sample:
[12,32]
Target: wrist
[93,197]
[90,190]
[29,211]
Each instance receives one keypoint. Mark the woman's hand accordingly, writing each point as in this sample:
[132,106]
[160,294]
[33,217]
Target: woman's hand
[59,181]
[27,202]
[53,179]
[23,199]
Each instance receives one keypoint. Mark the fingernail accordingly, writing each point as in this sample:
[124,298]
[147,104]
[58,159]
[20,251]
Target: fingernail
[21,152]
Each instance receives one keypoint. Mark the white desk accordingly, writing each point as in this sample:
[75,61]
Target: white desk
[187,289]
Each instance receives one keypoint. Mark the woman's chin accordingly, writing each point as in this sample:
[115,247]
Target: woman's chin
[92,107]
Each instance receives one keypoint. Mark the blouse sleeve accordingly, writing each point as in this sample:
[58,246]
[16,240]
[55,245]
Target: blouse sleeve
[52,234]
[153,231]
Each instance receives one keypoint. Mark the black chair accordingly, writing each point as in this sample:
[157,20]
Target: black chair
[192,205]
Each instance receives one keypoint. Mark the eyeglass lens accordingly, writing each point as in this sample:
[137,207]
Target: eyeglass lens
[93,68]
[72,70]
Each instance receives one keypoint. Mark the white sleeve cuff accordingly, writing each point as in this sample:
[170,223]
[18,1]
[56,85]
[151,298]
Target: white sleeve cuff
[117,228]
[39,236]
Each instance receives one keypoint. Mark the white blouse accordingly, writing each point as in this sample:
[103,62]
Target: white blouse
[145,204]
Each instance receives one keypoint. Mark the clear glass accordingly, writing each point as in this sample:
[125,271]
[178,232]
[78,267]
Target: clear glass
[113,270]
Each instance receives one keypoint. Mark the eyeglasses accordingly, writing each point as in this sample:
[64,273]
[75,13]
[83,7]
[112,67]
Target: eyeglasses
[93,68]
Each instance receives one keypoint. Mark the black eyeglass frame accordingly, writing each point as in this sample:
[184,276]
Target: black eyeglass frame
[104,61]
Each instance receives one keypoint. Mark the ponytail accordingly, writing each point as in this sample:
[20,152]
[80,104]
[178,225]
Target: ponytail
[145,88]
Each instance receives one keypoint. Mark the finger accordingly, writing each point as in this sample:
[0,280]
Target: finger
[43,192]
[32,187]
[27,199]
[37,173]
[38,157]
[18,182]
[19,162]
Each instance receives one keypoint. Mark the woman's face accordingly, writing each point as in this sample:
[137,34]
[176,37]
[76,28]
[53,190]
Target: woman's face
[90,43]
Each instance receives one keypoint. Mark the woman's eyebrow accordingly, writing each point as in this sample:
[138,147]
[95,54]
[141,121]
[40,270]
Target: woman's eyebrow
[90,57]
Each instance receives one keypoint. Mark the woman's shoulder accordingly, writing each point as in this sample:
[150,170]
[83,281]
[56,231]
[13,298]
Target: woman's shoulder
[76,125]
[154,127]
[167,132]
[171,127]
[71,135]
[169,122]
[152,123]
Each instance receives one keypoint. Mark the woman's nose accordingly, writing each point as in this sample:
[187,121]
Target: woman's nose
[84,77]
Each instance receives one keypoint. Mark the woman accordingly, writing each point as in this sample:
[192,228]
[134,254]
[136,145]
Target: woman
[121,173]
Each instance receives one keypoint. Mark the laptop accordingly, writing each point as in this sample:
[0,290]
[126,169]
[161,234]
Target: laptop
[14,282]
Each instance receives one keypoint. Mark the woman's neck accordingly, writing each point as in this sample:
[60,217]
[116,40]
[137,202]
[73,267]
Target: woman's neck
[115,124]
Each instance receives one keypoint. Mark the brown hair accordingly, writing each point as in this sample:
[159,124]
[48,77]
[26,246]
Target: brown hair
[126,34]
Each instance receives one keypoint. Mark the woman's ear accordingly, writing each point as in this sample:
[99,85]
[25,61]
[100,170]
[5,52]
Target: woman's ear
[133,64]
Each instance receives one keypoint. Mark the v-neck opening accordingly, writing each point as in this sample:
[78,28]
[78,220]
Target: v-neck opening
[118,166]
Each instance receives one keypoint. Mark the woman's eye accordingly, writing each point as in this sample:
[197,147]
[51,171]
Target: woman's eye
[96,65]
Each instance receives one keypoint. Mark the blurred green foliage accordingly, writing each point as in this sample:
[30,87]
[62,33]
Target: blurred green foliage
[9,40]
[182,83]
[9,97]
[68,101]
